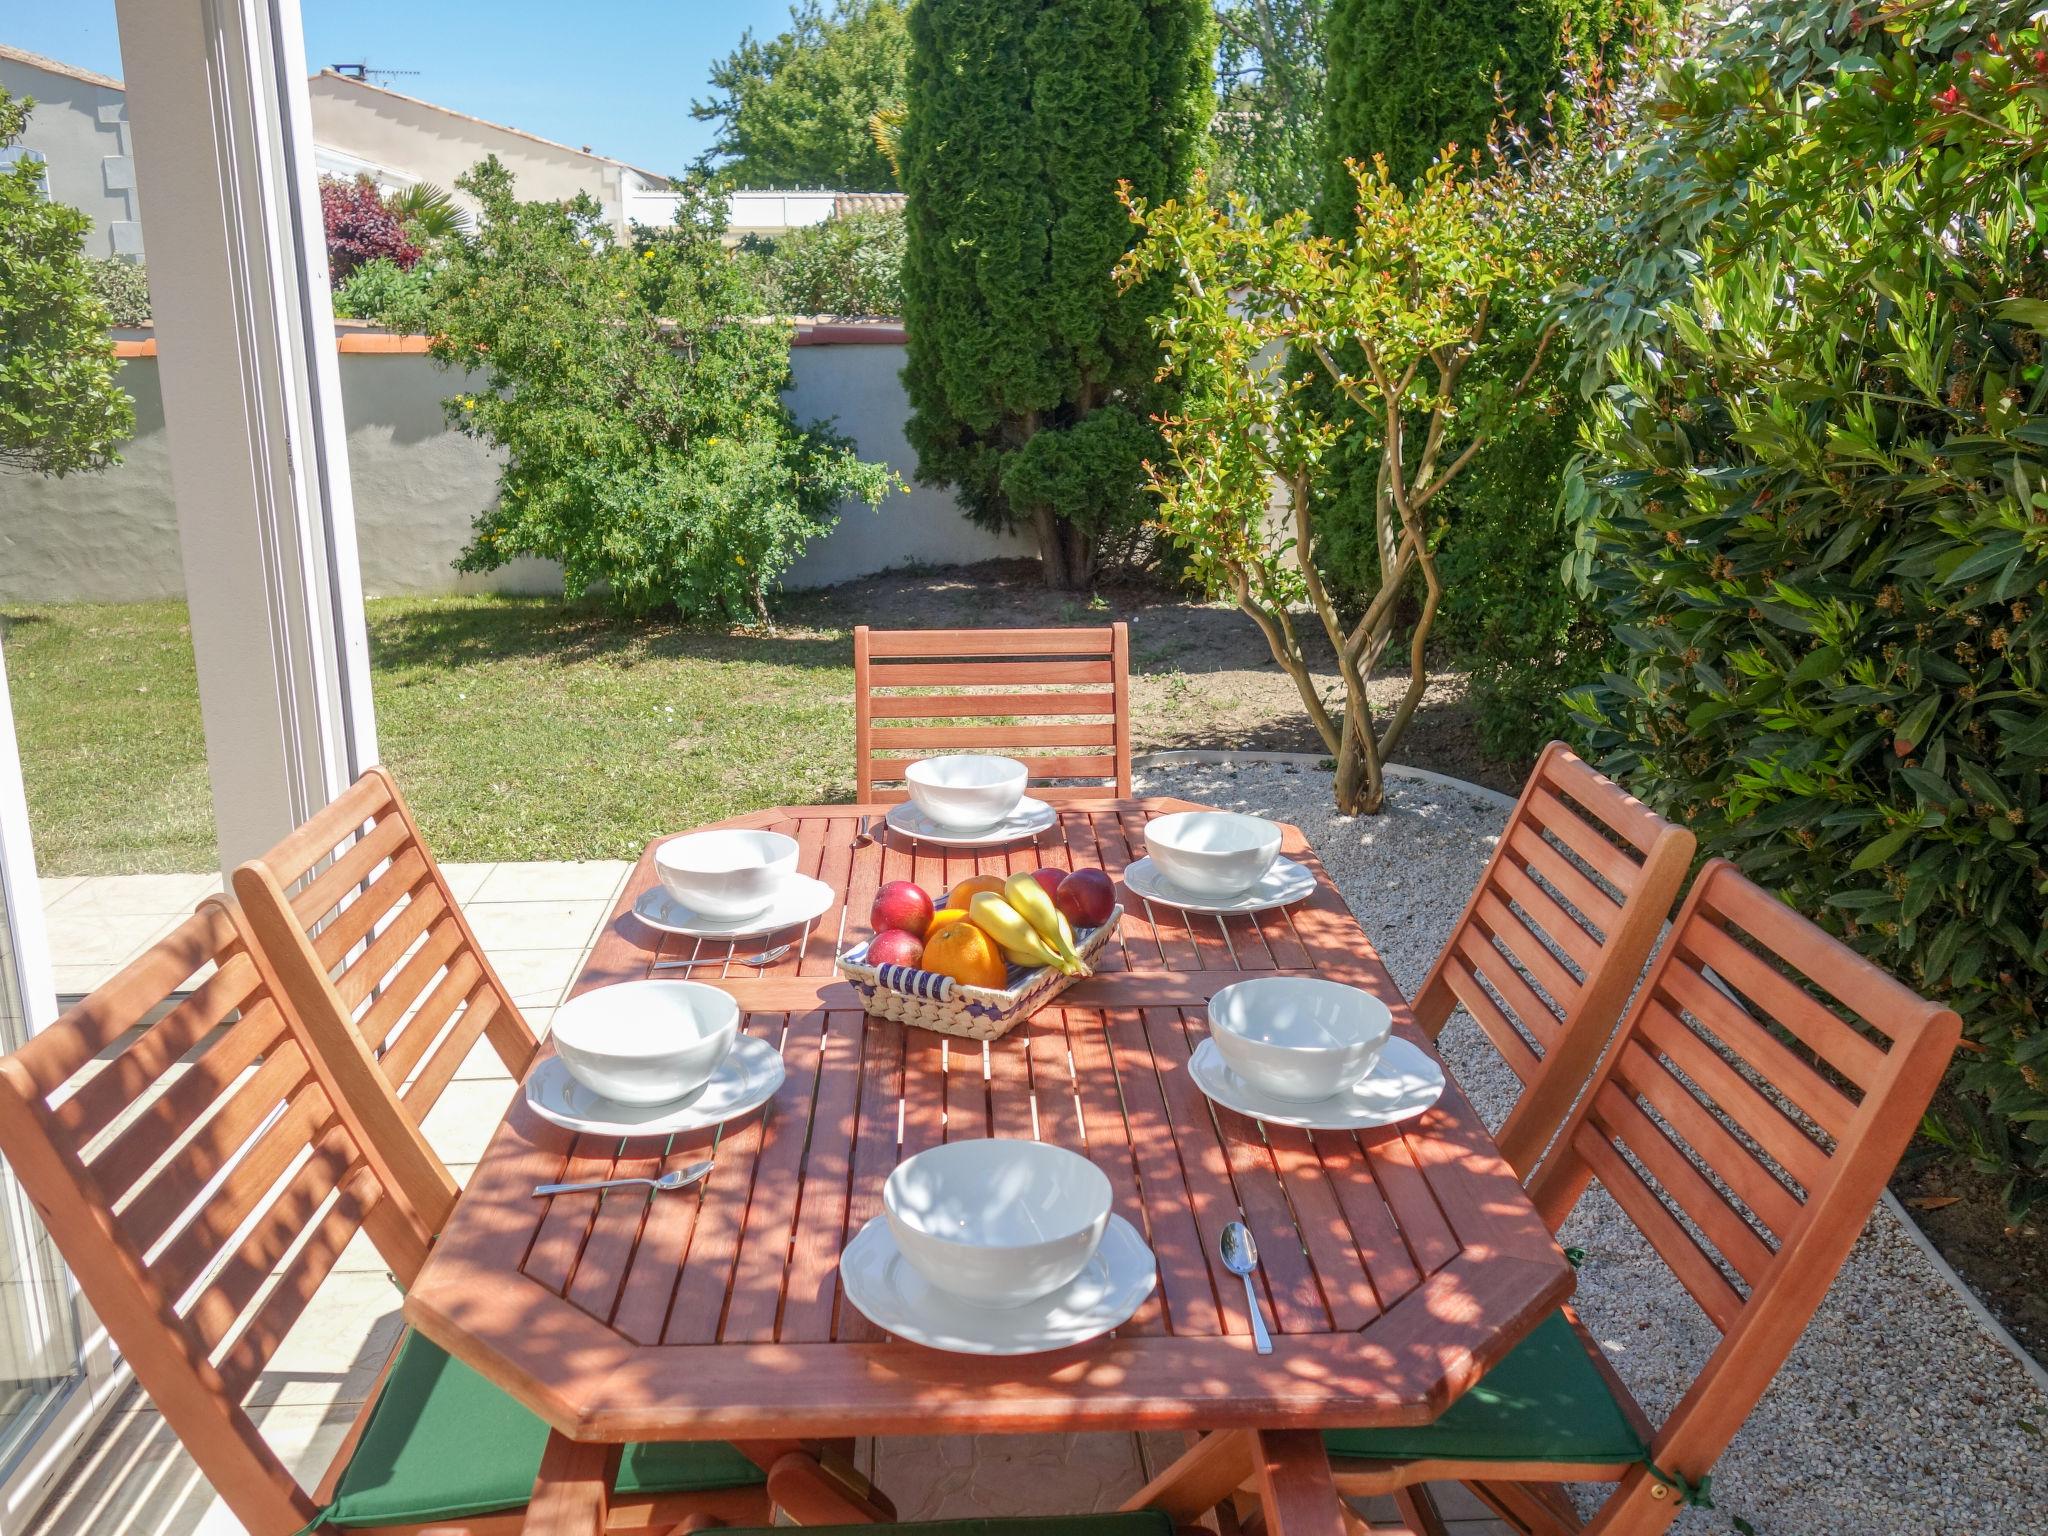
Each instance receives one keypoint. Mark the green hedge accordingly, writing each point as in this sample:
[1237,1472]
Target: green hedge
[1817,500]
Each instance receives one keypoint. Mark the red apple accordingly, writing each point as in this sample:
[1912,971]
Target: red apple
[1086,896]
[1049,878]
[901,904]
[893,946]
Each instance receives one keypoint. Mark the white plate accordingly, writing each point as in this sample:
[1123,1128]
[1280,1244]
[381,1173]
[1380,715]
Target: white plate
[1284,884]
[880,1282]
[800,900]
[744,1081]
[1401,1085]
[1030,818]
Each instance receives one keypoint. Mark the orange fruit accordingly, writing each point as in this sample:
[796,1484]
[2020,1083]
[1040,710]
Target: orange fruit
[963,894]
[946,915]
[962,951]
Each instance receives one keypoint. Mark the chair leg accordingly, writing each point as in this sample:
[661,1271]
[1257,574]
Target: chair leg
[1418,1511]
[1536,1508]
[826,1490]
[1204,1477]
[572,1493]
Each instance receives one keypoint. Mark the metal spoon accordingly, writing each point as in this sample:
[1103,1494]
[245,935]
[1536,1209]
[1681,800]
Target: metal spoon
[675,1178]
[1241,1257]
[861,838]
[765,958]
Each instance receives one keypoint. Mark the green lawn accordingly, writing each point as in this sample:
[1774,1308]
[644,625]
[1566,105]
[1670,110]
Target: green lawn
[520,728]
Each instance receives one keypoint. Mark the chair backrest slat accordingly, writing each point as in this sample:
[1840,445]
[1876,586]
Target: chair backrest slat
[1554,937]
[1763,1087]
[1038,697]
[187,1162]
[386,980]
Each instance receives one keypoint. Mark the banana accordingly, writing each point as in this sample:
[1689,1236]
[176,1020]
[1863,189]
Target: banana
[1030,898]
[1013,935]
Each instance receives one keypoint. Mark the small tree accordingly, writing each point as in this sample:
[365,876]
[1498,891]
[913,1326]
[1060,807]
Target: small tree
[640,399]
[60,407]
[1432,278]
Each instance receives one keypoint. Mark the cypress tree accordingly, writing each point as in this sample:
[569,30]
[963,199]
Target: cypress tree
[1031,378]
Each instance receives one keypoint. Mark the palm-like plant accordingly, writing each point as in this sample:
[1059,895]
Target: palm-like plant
[430,215]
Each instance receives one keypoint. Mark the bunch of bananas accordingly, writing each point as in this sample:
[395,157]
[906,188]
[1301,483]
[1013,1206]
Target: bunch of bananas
[1026,925]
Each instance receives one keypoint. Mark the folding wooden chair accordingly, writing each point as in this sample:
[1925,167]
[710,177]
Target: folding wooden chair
[388,992]
[1058,700]
[1555,936]
[192,1168]
[1762,1090]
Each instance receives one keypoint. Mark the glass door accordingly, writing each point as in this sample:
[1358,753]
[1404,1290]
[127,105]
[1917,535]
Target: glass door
[56,1369]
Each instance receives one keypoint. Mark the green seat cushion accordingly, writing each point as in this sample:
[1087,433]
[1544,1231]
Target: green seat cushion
[1142,1522]
[442,1442]
[1547,1401]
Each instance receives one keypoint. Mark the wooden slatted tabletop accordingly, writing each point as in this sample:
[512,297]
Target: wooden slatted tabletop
[1398,1265]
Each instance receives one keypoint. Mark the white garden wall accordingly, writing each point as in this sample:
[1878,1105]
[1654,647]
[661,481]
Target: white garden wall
[112,537]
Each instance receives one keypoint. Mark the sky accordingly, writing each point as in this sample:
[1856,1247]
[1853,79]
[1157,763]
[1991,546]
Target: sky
[618,75]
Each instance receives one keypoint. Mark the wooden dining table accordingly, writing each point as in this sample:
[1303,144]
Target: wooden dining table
[1396,1265]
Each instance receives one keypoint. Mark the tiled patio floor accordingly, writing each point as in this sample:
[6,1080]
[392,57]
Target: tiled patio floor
[537,921]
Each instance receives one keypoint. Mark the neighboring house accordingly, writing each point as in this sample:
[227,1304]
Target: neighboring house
[79,131]
[397,140]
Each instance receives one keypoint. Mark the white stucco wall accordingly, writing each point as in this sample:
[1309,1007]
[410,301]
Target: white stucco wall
[112,537]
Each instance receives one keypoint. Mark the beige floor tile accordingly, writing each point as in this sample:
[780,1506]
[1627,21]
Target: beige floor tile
[55,887]
[108,939]
[932,1478]
[580,880]
[465,880]
[536,978]
[508,925]
[460,1124]
[337,1347]
[115,895]
[77,980]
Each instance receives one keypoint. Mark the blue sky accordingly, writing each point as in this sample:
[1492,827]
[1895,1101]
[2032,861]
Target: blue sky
[618,75]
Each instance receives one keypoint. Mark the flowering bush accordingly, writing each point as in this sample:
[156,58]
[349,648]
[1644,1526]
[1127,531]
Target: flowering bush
[361,228]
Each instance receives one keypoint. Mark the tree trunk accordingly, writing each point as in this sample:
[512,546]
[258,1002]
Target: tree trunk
[1065,555]
[1361,786]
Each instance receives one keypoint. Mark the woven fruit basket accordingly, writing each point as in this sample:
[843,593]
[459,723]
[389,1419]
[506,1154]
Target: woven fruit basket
[931,1001]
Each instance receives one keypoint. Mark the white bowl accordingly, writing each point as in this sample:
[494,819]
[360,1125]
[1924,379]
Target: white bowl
[1212,853]
[1296,1037]
[726,874]
[646,1042]
[967,793]
[997,1222]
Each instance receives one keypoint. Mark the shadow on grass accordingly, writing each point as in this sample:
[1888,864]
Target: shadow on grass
[460,632]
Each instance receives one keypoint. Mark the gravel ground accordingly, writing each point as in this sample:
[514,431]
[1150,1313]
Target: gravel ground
[1895,1413]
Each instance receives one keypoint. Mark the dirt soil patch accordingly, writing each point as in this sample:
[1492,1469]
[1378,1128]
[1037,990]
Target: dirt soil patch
[1201,674]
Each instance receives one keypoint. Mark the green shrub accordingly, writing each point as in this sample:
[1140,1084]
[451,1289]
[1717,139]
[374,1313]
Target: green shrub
[1031,376]
[639,397]
[382,291]
[62,410]
[1817,497]
[122,286]
[851,267]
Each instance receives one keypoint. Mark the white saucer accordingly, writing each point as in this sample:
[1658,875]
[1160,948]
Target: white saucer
[1284,884]
[893,1296]
[1030,818]
[799,900]
[744,1081]
[1401,1085]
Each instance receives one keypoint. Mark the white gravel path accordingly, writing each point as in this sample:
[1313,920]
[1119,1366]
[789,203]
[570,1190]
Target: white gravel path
[1895,1413]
